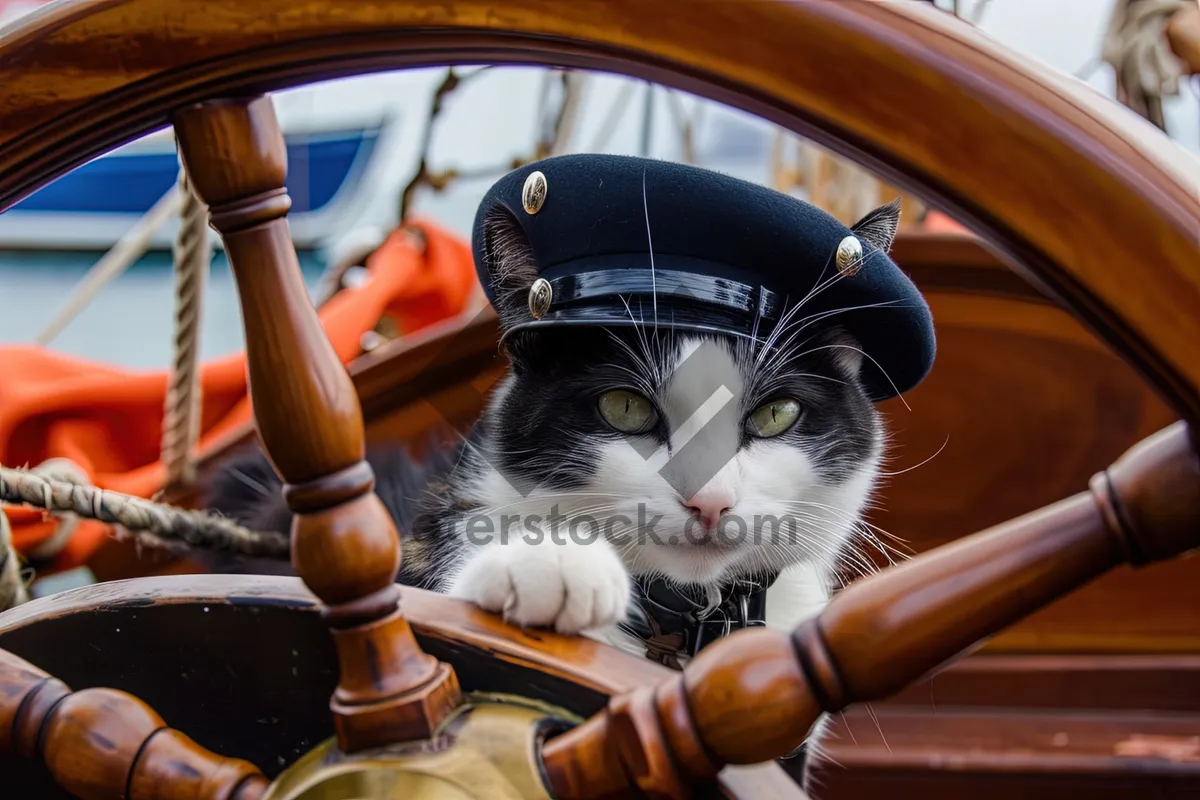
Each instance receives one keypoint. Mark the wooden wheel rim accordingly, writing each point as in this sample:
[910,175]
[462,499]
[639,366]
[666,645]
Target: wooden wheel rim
[1053,177]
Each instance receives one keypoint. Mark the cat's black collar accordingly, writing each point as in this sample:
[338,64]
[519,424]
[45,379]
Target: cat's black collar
[672,620]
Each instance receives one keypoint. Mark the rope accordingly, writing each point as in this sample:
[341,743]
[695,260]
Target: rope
[615,113]
[551,142]
[128,249]
[978,13]
[181,417]
[686,123]
[1147,70]
[166,525]
[67,471]
[13,590]
[568,112]
[843,188]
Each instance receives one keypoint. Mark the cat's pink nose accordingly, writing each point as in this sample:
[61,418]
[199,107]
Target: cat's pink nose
[710,506]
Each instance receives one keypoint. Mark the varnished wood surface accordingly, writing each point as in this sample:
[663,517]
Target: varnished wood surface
[1078,726]
[1122,258]
[960,752]
[1098,209]
[959,263]
[344,544]
[1022,406]
[408,370]
[100,743]
[165,635]
[245,664]
[754,694]
[599,669]
[1083,682]
[154,637]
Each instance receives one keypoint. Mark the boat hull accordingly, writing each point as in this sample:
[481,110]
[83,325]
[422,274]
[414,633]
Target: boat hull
[91,207]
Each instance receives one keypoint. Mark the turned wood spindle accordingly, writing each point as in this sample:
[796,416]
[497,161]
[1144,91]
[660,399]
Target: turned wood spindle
[344,544]
[754,695]
[102,744]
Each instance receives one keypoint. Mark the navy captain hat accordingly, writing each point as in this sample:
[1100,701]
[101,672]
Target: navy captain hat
[619,241]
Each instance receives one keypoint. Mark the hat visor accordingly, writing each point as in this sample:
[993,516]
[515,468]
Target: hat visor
[874,375]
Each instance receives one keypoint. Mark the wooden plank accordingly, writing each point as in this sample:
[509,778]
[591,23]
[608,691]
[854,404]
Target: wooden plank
[959,752]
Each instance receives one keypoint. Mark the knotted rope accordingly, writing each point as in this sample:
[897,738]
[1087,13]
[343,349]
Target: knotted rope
[1136,46]
[181,417]
[158,524]
[66,471]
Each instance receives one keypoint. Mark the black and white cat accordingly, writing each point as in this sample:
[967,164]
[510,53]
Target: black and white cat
[686,441]
[616,453]
[599,422]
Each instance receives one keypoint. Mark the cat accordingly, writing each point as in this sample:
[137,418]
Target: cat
[611,457]
[794,496]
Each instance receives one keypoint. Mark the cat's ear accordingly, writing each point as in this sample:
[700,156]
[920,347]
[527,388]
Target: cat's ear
[844,351]
[879,227]
[511,265]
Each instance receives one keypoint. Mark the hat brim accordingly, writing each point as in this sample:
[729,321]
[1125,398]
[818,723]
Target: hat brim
[685,295]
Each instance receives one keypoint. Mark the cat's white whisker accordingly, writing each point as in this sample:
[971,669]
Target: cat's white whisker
[650,246]
[918,465]
[257,486]
[873,360]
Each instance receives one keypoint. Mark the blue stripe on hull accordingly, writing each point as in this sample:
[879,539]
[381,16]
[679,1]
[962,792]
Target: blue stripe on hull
[131,183]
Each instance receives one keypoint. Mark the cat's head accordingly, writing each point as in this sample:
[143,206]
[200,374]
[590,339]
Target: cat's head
[700,456]
[694,363]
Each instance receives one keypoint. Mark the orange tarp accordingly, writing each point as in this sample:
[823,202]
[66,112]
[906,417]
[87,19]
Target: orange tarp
[108,420]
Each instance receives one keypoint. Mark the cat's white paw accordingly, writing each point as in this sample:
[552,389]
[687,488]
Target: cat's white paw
[568,587]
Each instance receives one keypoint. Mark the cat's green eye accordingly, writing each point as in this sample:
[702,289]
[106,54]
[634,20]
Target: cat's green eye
[626,411]
[772,419]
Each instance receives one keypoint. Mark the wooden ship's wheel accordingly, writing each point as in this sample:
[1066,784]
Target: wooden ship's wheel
[431,698]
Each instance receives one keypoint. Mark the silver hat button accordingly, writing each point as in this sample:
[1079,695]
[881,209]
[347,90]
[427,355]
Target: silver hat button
[849,255]
[533,195]
[540,296]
